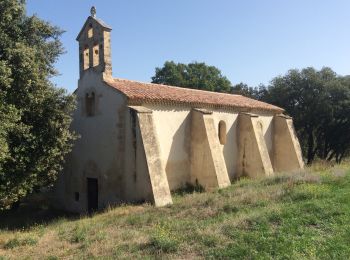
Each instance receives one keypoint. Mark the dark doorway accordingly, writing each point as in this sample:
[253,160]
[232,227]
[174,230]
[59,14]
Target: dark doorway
[92,194]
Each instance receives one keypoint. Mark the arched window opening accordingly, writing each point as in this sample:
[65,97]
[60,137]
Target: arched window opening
[96,57]
[86,57]
[90,31]
[222,132]
[90,104]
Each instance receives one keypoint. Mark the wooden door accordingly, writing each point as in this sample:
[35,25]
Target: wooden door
[92,194]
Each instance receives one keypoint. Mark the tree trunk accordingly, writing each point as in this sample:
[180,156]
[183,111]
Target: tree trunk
[330,157]
[310,147]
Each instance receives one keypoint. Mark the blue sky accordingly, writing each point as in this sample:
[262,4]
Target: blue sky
[250,41]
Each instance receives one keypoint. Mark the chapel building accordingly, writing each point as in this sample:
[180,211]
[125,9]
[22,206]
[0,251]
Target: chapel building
[140,141]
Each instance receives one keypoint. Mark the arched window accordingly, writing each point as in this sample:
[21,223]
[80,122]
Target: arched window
[96,57]
[222,132]
[90,31]
[86,57]
[90,104]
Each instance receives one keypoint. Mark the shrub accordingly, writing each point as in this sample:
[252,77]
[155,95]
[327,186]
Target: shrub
[16,242]
[163,240]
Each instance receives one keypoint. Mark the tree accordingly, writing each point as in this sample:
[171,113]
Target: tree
[243,89]
[334,142]
[253,92]
[193,75]
[319,103]
[34,115]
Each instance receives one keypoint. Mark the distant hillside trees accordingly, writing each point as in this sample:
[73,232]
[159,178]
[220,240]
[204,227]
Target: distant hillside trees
[319,102]
[34,115]
[193,75]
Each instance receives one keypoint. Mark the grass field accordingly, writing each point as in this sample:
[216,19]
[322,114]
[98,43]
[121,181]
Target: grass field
[302,215]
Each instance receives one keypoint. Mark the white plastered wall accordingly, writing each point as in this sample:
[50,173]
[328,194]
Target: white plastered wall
[230,148]
[96,153]
[267,131]
[173,128]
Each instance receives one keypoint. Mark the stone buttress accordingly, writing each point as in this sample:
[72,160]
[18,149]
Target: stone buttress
[287,154]
[208,167]
[155,169]
[253,156]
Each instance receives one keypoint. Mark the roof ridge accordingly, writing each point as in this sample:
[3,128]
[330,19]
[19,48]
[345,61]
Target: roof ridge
[177,87]
[137,92]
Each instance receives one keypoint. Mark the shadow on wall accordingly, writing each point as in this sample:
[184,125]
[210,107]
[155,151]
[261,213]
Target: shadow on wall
[178,165]
[268,138]
[230,150]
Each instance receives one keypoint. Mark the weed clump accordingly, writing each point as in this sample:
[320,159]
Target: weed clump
[16,242]
[190,188]
[164,241]
[80,234]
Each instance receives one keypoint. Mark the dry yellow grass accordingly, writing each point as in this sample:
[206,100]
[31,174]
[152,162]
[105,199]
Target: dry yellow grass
[270,218]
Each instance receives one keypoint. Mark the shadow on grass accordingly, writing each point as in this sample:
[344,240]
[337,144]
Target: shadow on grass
[27,216]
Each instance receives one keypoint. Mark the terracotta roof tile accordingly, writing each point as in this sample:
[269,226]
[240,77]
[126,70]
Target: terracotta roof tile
[138,92]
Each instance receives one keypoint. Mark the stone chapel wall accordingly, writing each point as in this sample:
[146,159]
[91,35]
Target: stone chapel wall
[173,126]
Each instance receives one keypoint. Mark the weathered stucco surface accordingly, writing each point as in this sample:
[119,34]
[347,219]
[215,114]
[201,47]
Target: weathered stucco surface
[139,151]
[160,188]
[207,161]
[95,154]
[112,148]
[230,149]
[173,129]
[253,156]
[287,152]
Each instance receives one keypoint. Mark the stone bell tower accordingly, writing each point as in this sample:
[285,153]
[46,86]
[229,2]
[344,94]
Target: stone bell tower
[95,46]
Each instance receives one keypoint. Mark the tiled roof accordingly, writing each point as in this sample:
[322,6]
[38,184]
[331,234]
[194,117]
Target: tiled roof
[138,92]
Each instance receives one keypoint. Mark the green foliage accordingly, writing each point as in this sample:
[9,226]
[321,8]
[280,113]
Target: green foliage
[16,242]
[34,115]
[52,257]
[247,91]
[190,188]
[319,102]
[80,234]
[164,240]
[193,75]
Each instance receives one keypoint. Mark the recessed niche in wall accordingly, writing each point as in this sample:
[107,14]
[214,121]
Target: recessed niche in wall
[222,132]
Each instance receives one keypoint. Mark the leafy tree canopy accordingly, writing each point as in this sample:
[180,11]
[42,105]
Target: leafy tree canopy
[319,102]
[34,115]
[193,75]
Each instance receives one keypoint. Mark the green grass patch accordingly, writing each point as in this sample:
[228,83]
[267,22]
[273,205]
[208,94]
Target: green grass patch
[163,240]
[302,215]
[16,242]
